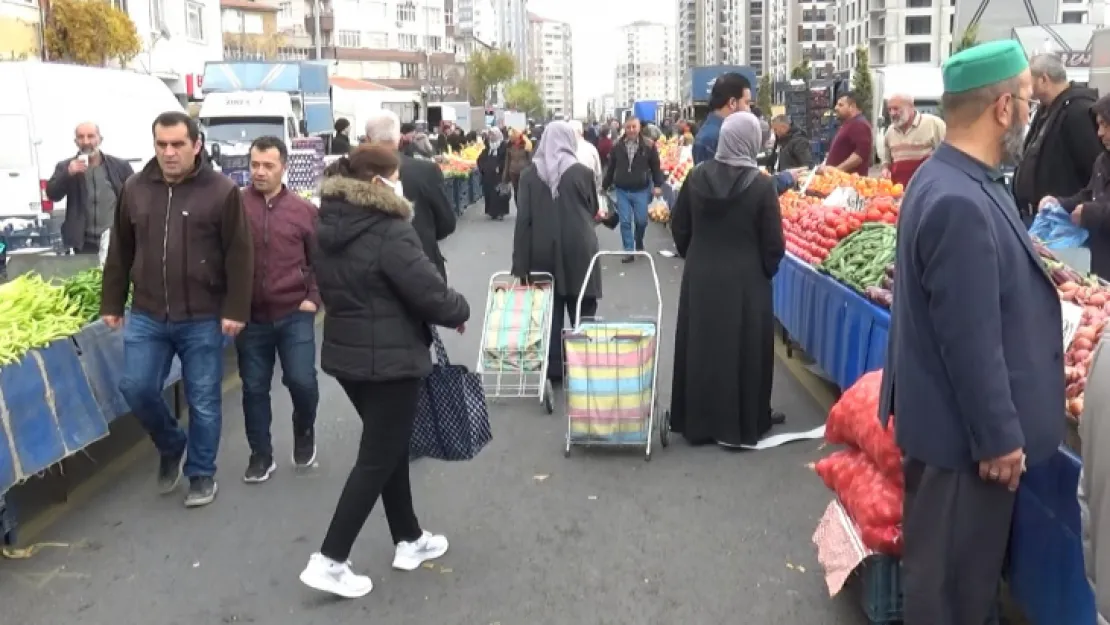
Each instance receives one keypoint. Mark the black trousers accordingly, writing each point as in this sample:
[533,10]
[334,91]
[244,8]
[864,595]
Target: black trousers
[956,528]
[387,410]
[561,309]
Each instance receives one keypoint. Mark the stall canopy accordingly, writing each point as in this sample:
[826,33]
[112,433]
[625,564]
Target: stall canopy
[1072,42]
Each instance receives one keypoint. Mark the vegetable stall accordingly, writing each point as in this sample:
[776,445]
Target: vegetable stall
[832,296]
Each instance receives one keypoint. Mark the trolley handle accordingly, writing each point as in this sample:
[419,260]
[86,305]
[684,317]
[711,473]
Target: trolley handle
[592,267]
[572,334]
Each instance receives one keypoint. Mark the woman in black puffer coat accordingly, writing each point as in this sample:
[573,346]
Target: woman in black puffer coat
[381,295]
[1090,207]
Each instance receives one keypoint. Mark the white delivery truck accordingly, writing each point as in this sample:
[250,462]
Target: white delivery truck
[41,106]
[923,83]
[355,100]
[232,120]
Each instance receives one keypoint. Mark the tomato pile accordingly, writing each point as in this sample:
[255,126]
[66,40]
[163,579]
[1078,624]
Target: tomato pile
[812,230]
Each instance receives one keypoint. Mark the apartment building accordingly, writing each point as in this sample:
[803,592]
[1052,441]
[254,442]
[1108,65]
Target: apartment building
[782,52]
[20,30]
[686,38]
[250,30]
[645,65]
[177,37]
[723,32]
[550,48]
[477,19]
[514,29]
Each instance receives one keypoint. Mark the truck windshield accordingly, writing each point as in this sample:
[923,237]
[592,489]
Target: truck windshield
[242,129]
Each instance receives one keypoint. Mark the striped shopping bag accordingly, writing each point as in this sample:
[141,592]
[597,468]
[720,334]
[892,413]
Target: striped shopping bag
[515,329]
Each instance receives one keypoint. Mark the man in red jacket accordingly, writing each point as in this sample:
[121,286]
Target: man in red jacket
[852,148]
[283,311]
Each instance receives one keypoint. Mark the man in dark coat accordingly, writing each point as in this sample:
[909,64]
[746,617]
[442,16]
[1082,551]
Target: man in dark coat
[341,142]
[422,182]
[976,396]
[1090,207]
[90,183]
[1062,145]
[792,148]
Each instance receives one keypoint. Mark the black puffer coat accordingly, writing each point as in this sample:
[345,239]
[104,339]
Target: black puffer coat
[1095,200]
[380,290]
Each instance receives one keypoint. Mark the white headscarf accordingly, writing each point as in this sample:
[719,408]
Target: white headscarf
[557,152]
[740,140]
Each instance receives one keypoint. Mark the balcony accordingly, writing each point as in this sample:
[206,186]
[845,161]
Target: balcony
[327,21]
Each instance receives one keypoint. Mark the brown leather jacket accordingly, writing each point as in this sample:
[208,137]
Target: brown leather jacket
[185,248]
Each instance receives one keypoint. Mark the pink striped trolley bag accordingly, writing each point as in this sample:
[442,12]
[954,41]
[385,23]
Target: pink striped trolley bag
[610,375]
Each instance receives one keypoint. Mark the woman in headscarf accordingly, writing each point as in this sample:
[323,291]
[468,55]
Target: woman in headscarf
[491,167]
[726,224]
[517,159]
[556,207]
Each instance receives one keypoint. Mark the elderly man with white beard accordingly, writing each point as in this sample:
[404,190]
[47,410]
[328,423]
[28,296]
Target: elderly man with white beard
[977,399]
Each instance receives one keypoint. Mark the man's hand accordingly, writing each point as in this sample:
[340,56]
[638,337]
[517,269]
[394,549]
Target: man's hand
[821,169]
[114,322]
[1005,470]
[230,327]
[1045,201]
[1077,215]
[307,306]
[885,173]
[657,191]
[77,166]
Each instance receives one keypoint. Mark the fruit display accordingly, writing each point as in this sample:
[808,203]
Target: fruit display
[812,230]
[674,161]
[861,258]
[34,313]
[824,183]
[455,166]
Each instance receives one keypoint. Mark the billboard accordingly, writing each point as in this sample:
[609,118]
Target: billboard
[996,18]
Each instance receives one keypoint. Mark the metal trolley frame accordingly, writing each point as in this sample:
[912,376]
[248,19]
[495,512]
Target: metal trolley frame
[517,370]
[596,379]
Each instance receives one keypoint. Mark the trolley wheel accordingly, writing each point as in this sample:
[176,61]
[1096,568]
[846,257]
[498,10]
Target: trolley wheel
[566,453]
[647,456]
[548,397]
[665,429]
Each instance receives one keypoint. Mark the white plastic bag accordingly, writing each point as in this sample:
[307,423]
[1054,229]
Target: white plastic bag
[105,239]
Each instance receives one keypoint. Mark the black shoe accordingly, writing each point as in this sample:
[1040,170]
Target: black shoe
[202,491]
[639,246]
[259,469]
[777,418]
[628,259]
[169,472]
[304,449]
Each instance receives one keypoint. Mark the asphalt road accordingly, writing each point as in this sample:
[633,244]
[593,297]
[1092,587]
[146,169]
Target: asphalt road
[698,536]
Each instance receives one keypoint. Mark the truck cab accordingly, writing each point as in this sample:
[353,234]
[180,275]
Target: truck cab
[231,121]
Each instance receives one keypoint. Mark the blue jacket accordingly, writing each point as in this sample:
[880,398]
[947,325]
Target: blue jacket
[975,361]
[705,144]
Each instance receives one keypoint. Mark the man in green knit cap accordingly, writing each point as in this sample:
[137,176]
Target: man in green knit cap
[975,360]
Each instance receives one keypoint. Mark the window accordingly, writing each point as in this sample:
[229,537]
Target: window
[435,44]
[919,25]
[406,42]
[286,10]
[348,39]
[434,15]
[1074,17]
[194,20]
[157,15]
[377,41]
[919,4]
[918,53]
[406,12]
[410,70]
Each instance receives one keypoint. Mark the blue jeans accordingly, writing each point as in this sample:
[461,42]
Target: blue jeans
[149,346]
[293,340]
[632,208]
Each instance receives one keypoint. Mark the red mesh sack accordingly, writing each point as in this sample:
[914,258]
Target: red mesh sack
[870,499]
[854,420]
[886,540]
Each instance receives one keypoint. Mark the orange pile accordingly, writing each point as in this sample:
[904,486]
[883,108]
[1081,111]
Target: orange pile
[828,180]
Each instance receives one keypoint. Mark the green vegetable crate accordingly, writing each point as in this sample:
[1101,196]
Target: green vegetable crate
[881,578]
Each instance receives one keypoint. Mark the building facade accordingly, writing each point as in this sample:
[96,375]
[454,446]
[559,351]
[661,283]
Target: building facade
[550,64]
[250,30]
[20,30]
[177,38]
[645,65]
[513,30]
[782,53]
[477,19]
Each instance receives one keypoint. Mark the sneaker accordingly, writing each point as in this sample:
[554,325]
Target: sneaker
[169,472]
[327,575]
[202,491]
[410,556]
[259,469]
[304,449]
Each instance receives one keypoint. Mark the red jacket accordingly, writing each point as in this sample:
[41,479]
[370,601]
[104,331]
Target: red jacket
[284,235]
[604,146]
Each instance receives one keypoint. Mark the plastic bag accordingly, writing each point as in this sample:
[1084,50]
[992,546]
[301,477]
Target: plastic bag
[1053,226]
[105,240]
[870,499]
[853,420]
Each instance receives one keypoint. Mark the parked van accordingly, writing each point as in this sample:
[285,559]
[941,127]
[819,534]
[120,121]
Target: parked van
[41,106]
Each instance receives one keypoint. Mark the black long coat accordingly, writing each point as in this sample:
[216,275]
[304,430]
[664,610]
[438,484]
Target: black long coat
[491,168]
[726,224]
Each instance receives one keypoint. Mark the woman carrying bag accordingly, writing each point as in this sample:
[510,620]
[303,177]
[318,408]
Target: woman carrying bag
[491,167]
[381,295]
[518,158]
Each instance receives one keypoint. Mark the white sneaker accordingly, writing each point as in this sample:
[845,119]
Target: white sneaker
[410,556]
[327,575]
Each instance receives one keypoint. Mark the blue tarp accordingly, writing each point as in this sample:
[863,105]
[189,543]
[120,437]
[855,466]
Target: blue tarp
[847,335]
[47,412]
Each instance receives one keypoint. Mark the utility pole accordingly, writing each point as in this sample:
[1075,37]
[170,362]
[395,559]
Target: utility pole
[316,29]
[242,35]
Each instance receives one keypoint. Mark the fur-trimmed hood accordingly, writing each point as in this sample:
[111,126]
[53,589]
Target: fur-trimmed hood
[369,195]
[350,208]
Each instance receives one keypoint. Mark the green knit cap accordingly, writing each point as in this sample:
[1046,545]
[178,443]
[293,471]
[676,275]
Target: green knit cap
[985,64]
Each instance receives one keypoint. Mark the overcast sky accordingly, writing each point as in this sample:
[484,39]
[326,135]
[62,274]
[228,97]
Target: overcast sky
[594,25]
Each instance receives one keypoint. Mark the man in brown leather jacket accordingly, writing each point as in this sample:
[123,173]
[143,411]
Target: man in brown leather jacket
[181,242]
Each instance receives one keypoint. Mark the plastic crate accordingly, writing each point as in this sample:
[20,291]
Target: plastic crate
[881,580]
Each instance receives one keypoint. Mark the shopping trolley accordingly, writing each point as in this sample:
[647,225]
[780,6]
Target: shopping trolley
[512,357]
[610,374]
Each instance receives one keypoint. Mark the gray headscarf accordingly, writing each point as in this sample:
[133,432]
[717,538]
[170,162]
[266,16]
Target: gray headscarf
[556,153]
[495,139]
[740,140]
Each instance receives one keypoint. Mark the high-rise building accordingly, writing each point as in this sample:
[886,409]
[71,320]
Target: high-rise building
[512,34]
[550,65]
[721,32]
[686,38]
[782,52]
[477,19]
[645,65]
